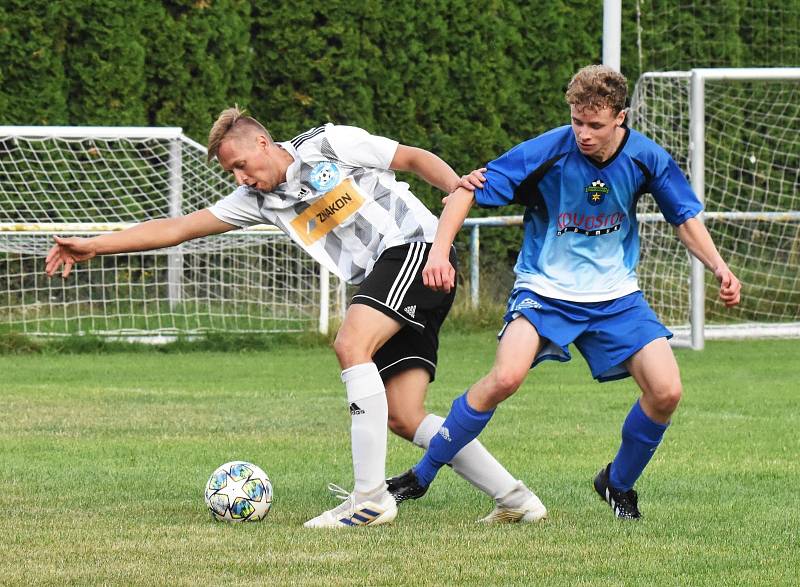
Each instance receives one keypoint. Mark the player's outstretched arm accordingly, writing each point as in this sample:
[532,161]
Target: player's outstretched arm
[695,237]
[153,234]
[425,165]
[438,274]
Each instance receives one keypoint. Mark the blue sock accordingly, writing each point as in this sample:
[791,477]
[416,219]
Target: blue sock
[640,438]
[462,425]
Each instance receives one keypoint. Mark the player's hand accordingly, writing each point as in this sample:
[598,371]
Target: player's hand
[66,252]
[473,180]
[729,287]
[439,274]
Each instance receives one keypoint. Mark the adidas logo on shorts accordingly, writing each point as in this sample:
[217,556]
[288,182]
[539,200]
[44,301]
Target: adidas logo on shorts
[355,410]
[528,303]
[410,310]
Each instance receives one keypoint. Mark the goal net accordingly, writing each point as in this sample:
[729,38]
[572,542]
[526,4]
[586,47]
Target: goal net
[750,178]
[80,181]
[680,35]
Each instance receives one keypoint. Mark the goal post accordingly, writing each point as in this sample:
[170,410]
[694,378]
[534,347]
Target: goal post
[612,33]
[91,180]
[741,150]
[175,257]
[736,135]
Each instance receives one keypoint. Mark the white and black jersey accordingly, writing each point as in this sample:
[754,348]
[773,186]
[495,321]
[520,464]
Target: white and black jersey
[340,201]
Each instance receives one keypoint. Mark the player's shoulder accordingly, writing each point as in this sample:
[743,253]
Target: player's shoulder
[243,196]
[332,141]
[310,138]
[647,154]
[240,198]
[640,146]
[242,191]
[553,142]
[559,139]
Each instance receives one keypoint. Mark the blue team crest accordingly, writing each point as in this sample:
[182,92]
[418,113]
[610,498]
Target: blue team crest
[596,192]
[324,176]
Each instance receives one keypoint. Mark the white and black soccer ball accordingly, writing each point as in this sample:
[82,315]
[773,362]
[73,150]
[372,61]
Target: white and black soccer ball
[239,492]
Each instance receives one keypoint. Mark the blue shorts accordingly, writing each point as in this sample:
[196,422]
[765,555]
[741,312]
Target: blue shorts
[606,333]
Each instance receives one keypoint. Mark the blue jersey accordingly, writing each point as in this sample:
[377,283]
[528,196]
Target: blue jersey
[581,239]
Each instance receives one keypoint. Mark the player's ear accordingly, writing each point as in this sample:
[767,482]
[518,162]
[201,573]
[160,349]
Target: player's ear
[620,120]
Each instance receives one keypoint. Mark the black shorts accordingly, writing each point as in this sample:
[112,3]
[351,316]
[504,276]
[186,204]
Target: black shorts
[394,287]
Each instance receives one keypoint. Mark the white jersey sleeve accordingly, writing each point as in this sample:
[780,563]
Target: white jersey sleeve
[355,146]
[240,208]
[340,201]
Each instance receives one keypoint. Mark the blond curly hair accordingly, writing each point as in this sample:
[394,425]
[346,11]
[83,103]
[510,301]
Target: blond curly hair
[596,87]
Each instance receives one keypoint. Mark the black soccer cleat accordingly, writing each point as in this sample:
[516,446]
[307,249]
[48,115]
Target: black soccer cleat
[624,503]
[405,486]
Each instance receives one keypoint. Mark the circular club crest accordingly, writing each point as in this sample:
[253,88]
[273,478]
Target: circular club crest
[324,176]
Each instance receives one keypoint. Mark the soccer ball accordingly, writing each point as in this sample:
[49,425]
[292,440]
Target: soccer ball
[239,492]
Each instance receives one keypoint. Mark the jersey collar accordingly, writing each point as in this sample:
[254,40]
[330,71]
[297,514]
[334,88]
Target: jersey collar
[610,160]
[294,167]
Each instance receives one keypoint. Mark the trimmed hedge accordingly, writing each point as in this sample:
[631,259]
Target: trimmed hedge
[466,79]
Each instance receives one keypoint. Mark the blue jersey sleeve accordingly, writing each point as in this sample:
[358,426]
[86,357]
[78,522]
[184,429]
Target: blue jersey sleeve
[672,192]
[503,175]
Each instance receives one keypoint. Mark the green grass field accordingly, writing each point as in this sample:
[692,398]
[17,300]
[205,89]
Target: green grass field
[104,459]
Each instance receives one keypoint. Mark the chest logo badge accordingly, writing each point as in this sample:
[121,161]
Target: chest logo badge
[596,192]
[328,212]
[324,176]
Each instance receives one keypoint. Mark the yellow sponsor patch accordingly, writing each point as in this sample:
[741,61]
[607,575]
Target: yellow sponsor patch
[328,212]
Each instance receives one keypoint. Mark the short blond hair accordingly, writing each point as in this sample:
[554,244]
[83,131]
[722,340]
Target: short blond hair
[596,87]
[232,123]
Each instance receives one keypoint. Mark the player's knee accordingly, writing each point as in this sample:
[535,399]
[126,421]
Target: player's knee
[668,396]
[348,351]
[405,420]
[341,346]
[402,426]
[506,382]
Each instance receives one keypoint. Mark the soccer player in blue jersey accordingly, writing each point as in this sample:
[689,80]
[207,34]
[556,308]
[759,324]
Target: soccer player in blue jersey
[576,276]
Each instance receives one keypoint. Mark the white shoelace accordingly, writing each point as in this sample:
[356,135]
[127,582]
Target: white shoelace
[348,500]
[338,492]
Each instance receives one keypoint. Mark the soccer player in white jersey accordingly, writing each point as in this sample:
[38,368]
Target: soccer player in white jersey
[576,278]
[332,189]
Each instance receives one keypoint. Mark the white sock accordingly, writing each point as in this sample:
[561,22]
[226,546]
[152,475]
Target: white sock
[369,416]
[473,462]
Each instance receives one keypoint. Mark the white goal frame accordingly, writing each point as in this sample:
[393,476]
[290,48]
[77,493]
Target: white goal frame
[694,331]
[330,292]
[611,56]
[697,168]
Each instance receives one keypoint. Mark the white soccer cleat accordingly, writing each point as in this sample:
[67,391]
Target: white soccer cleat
[520,506]
[357,510]
[532,510]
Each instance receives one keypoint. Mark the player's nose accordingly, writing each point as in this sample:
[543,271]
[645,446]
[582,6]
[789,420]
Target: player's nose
[240,176]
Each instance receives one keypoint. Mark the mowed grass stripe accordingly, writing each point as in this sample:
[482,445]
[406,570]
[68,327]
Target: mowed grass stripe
[104,458]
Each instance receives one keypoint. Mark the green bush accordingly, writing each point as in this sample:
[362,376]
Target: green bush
[466,79]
